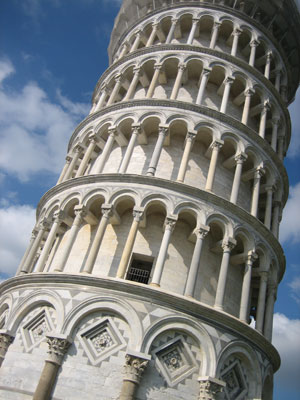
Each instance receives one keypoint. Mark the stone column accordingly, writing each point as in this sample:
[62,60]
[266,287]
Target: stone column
[271,298]
[255,193]
[136,42]
[193,30]
[201,233]
[77,152]
[171,31]
[102,99]
[133,84]
[153,34]
[64,170]
[106,210]
[261,303]
[275,219]
[216,147]
[80,213]
[268,64]
[245,296]
[214,35]
[248,94]
[228,82]
[137,217]
[157,69]
[32,239]
[275,124]
[227,245]
[190,138]
[116,89]
[236,34]
[58,218]
[178,80]
[133,371]
[210,388]
[87,155]
[268,210]
[57,350]
[277,80]
[28,264]
[240,159]
[124,50]
[202,86]
[5,341]
[161,258]
[162,133]
[263,119]
[135,131]
[253,44]
[107,149]
[280,150]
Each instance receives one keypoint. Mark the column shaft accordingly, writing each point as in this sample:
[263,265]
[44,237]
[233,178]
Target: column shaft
[245,296]
[275,123]
[87,157]
[216,146]
[160,262]
[268,326]
[228,82]
[195,264]
[136,42]
[73,163]
[192,32]
[236,34]
[185,157]
[102,99]
[163,131]
[237,177]
[203,83]
[134,82]
[263,119]
[64,170]
[153,35]
[255,192]
[171,31]
[261,304]
[28,264]
[268,211]
[106,214]
[178,80]
[129,150]
[114,93]
[157,68]
[275,219]
[253,45]
[268,65]
[214,35]
[106,151]
[246,109]
[220,292]
[137,215]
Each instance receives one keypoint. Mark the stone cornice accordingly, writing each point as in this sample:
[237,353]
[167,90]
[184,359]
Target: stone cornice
[202,50]
[223,8]
[134,290]
[202,110]
[178,188]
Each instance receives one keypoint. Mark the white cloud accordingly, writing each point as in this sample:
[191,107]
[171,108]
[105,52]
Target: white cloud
[16,224]
[290,225]
[286,338]
[34,131]
[295,289]
[6,69]
[294,108]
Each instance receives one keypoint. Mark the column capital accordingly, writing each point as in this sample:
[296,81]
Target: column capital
[155,25]
[269,55]
[270,188]
[78,148]
[158,66]
[210,387]
[44,224]
[217,144]
[237,31]
[228,244]
[68,159]
[266,106]
[202,231]
[80,213]
[195,20]
[136,128]
[93,138]
[107,210]
[217,25]
[272,290]
[134,368]
[182,66]
[275,120]
[206,71]
[174,20]
[112,131]
[138,213]
[251,257]
[191,136]
[249,92]
[5,341]
[118,78]
[259,172]
[254,43]
[277,203]
[59,216]
[170,223]
[137,70]
[229,80]
[264,275]
[103,87]
[58,347]
[163,130]
[241,158]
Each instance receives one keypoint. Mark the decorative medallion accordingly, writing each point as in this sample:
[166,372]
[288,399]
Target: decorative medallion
[35,330]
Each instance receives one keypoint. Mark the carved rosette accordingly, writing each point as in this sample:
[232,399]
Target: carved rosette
[5,341]
[209,389]
[57,349]
[134,368]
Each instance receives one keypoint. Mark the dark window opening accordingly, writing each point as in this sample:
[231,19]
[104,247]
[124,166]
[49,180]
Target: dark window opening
[139,271]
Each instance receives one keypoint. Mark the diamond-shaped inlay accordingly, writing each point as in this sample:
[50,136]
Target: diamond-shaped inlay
[35,330]
[236,386]
[175,361]
[100,340]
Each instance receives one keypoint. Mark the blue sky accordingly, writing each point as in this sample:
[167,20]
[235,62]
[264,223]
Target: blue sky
[52,54]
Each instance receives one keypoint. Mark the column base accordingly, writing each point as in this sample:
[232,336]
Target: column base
[218,308]
[154,284]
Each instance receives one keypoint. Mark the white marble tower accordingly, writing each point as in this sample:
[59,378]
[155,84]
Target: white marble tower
[154,263]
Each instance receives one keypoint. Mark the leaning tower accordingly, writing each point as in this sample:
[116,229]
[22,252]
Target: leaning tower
[154,263]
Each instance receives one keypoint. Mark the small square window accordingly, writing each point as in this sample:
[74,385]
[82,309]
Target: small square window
[140,269]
